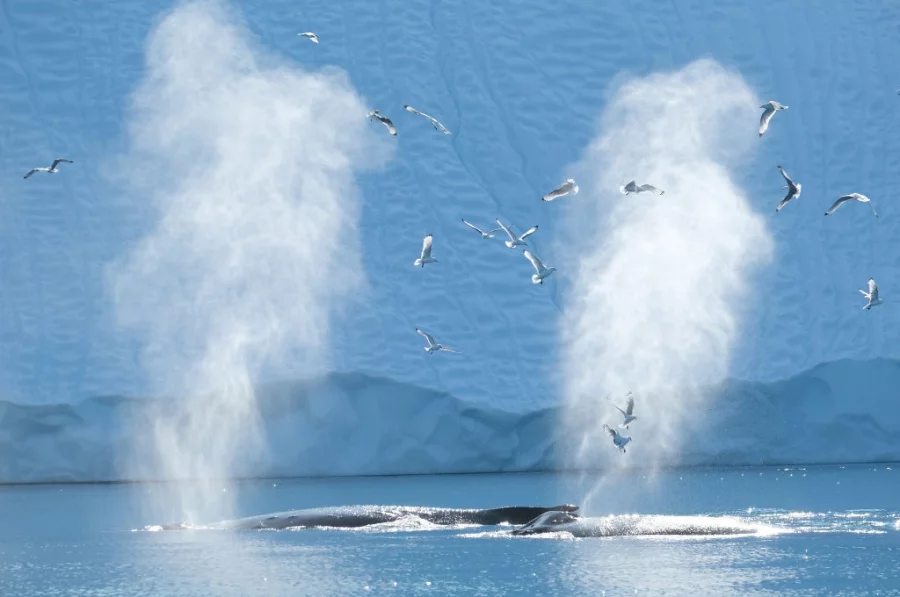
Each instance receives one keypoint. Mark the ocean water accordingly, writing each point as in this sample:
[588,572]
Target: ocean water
[818,530]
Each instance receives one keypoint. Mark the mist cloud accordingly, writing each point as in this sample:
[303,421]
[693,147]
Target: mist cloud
[660,282]
[247,163]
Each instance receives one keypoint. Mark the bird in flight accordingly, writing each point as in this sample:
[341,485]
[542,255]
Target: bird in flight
[434,121]
[514,241]
[425,257]
[851,197]
[542,272]
[633,188]
[628,413]
[619,440]
[792,187]
[872,295]
[484,234]
[433,346]
[384,120]
[769,109]
[562,190]
[53,167]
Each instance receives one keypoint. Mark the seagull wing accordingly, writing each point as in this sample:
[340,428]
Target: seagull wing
[620,410]
[534,261]
[57,162]
[389,124]
[426,247]
[873,287]
[785,201]
[473,227]
[786,177]
[554,194]
[32,171]
[841,200]
[563,189]
[652,189]
[434,121]
[612,432]
[428,337]
[629,407]
[439,126]
[508,232]
[765,118]
[529,232]
[448,349]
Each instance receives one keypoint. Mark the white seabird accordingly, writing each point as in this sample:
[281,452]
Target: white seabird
[310,35]
[434,346]
[634,188]
[434,121]
[484,235]
[52,169]
[426,253]
[562,190]
[792,187]
[769,109]
[872,295]
[384,120]
[851,197]
[619,440]
[542,272]
[514,241]
[627,414]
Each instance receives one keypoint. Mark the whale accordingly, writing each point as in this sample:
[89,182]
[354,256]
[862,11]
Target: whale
[361,516]
[636,525]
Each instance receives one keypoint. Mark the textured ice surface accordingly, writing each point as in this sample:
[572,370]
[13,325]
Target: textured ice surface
[356,424]
[520,87]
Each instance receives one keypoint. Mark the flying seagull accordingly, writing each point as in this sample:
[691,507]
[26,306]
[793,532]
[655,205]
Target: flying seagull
[432,345]
[434,121]
[562,190]
[514,241]
[484,235]
[872,295]
[619,440]
[627,413]
[426,253]
[312,36]
[851,197]
[634,188]
[384,120]
[792,187]
[769,108]
[53,167]
[542,272]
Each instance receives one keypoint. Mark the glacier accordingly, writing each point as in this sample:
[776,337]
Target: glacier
[811,377]
[355,424]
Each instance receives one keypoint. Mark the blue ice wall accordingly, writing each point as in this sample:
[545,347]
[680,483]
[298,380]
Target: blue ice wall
[520,85]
